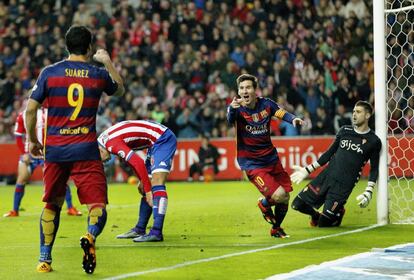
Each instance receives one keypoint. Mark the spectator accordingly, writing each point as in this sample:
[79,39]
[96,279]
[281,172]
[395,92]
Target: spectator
[341,118]
[208,156]
[82,16]
[188,124]
[322,124]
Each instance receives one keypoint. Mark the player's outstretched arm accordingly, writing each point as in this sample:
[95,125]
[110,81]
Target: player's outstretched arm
[102,56]
[231,110]
[300,173]
[364,198]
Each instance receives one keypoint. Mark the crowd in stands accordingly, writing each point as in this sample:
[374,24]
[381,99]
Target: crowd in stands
[180,59]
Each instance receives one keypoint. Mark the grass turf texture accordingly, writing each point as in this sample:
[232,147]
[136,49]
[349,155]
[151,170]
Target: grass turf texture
[204,220]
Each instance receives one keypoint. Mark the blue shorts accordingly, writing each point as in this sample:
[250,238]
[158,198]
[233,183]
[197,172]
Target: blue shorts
[160,156]
[34,163]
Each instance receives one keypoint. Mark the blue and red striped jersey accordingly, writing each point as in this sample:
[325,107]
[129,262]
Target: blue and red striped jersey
[254,145]
[72,90]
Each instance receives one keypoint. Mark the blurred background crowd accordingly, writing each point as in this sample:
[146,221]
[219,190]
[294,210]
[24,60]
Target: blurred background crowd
[180,59]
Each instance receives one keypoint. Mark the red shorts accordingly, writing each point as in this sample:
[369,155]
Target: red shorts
[268,179]
[88,175]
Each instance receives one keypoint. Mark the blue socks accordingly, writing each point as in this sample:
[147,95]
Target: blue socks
[145,212]
[68,197]
[96,220]
[160,201]
[18,196]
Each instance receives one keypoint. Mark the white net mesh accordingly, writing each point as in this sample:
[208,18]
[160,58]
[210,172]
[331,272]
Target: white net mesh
[400,87]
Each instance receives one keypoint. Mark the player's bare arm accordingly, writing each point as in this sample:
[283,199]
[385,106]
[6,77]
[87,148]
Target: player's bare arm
[102,56]
[35,147]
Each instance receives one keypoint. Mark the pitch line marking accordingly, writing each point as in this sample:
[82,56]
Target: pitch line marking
[335,264]
[184,264]
[147,245]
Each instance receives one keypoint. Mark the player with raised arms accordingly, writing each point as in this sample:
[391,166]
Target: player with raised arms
[72,89]
[353,147]
[123,139]
[256,155]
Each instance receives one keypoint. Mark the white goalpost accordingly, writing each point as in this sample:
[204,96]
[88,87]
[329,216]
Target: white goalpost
[394,104]
[380,109]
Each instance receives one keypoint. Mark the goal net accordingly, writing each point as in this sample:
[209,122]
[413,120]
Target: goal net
[399,34]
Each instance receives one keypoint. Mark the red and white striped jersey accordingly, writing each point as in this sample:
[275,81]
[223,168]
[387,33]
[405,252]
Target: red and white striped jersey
[20,126]
[137,135]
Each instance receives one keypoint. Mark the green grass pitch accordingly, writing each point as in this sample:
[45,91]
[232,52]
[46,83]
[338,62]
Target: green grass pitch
[204,220]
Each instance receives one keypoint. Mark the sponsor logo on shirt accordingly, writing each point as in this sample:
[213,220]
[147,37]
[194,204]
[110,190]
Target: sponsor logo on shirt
[259,129]
[74,131]
[349,145]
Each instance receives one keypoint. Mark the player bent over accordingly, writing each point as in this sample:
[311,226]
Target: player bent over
[72,89]
[256,154]
[123,139]
[27,164]
[353,147]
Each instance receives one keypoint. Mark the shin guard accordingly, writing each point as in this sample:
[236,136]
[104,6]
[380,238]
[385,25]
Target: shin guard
[96,220]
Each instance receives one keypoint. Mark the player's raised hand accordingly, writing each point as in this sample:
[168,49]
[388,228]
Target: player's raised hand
[236,102]
[364,198]
[102,56]
[299,174]
[297,121]
[36,149]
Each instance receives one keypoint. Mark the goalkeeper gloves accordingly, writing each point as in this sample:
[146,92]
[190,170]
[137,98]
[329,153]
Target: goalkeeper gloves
[365,197]
[302,172]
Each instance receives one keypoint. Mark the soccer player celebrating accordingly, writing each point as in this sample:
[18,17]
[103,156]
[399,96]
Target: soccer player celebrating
[27,164]
[72,89]
[123,139]
[256,154]
[352,148]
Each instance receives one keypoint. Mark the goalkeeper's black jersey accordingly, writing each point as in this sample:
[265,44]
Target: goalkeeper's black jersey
[349,153]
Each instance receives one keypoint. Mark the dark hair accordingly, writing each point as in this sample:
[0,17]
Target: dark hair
[366,106]
[247,77]
[78,39]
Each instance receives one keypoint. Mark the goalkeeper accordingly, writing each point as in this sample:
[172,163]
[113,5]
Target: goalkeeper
[353,147]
